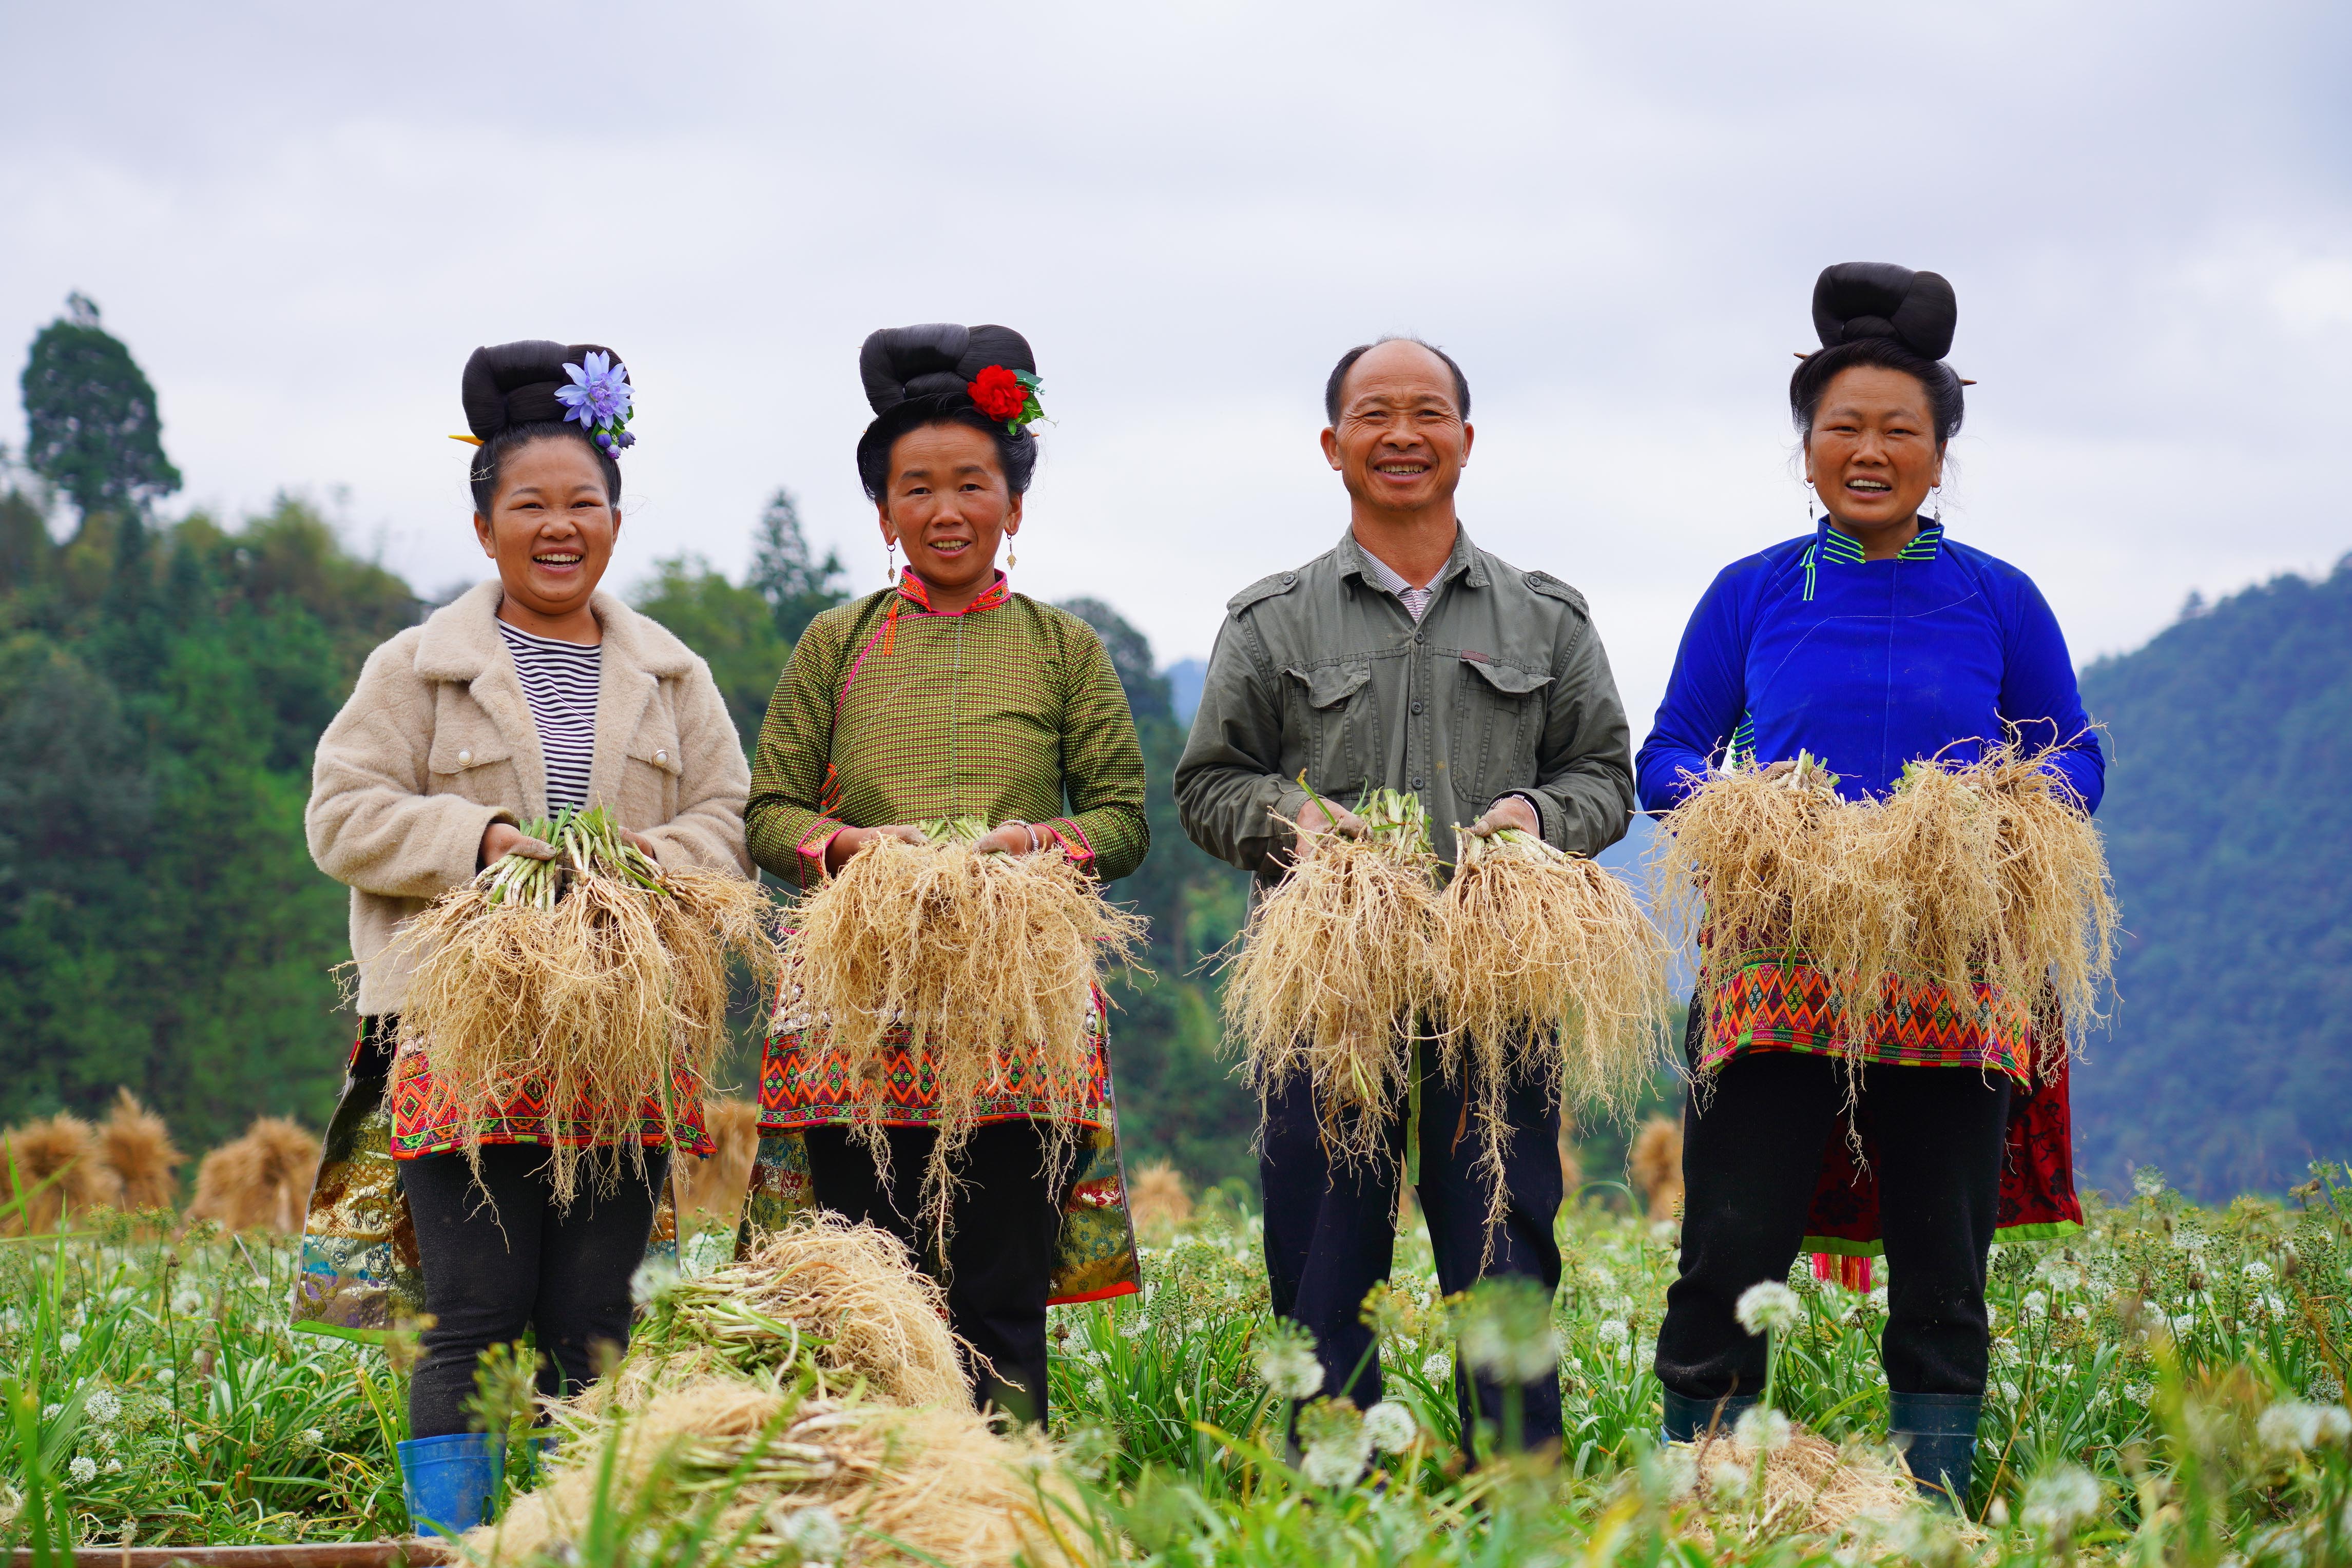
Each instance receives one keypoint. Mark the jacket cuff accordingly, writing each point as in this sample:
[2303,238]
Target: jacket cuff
[810,850]
[1074,843]
[1282,837]
[1552,821]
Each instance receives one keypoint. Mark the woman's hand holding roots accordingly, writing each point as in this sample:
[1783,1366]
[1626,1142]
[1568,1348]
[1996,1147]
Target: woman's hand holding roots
[847,842]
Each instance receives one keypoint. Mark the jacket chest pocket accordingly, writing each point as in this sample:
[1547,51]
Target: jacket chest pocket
[1499,713]
[477,767]
[1333,710]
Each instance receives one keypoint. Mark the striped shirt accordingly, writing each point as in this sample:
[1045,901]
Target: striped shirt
[559,680]
[1414,600]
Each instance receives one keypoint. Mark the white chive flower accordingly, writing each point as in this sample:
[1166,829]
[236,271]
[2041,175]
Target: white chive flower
[1390,1427]
[69,1342]
[812,1533]
[103,1406]
[1438,1366]
[2061,1500]
[1286,1363]
[1610,1331]
[1768,1306]
[2256,1273]
[84,1469]
[2147,1181]
[1762,1428]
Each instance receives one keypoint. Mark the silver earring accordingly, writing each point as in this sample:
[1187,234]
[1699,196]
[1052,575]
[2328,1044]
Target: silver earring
[893,559]
[1809,503]
[1935,499]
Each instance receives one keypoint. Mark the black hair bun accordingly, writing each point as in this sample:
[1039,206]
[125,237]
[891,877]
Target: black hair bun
[937,360]
[514,384]
[1859,300]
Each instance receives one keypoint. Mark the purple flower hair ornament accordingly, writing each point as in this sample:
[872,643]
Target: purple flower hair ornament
[601,399]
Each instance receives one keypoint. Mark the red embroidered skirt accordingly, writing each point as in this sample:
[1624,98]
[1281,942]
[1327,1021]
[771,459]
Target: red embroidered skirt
[1776,1001]
[426,1121]
[804,1083]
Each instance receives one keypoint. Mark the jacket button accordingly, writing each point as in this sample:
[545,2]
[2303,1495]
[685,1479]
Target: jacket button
[1416,708]
[661,756]
[1416,783]
[464,759]
[1289,578]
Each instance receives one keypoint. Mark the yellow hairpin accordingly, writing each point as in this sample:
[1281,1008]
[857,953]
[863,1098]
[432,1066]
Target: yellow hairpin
[468,440]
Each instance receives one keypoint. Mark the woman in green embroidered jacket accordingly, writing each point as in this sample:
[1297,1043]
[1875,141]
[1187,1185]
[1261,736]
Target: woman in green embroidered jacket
[947,695]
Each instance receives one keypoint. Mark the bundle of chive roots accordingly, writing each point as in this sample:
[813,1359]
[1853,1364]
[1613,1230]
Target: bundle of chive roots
[596,982]
[975,958]
[1528,964]
[1987,875]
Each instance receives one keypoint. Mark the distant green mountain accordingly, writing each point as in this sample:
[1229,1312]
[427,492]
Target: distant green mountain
[2229,825]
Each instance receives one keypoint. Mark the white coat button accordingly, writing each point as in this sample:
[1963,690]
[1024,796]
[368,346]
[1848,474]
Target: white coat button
[661,756]
[464,758]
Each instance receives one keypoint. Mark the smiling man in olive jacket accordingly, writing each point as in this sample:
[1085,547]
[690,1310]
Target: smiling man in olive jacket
[1408,658]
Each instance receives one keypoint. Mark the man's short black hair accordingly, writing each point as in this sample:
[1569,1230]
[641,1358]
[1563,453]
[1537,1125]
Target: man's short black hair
[1347,362]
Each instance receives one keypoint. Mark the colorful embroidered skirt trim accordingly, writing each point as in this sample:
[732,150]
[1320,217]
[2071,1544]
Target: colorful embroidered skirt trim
[1776,1001]
[426,1121]
[804,1082]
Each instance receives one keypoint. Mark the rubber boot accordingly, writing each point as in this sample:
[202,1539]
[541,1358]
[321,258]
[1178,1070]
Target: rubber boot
[448,1482]
[1938,1436]
[1687,1419]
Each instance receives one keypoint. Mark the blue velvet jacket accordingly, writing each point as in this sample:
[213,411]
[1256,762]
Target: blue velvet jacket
[1868,665]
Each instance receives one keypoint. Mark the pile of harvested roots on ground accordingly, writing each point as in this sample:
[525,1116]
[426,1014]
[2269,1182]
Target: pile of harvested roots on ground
[806,1399]
[1986,875]
[974,955]
[1528,965]
[597,979]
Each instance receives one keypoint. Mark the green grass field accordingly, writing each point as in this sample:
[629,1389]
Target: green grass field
[2163,1391]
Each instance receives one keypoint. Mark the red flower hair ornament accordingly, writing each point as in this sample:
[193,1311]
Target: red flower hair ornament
[1005,395]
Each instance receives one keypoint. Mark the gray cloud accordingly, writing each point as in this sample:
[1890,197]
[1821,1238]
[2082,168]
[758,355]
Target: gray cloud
[303,218]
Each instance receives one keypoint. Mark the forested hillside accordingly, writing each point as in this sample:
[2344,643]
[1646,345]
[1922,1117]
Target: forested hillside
[2229,824]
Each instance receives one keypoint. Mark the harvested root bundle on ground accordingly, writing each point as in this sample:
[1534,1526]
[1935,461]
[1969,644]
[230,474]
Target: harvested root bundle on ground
[842,1304]
[1988,873]
[712,1189]
[592,980]
[1547,966]
[1158,1202]
[897,1485]
[134,1143]
[260,1181]
[1809,1485]
[1656,1163]
[972,956]
[49,1171]
[1334,968]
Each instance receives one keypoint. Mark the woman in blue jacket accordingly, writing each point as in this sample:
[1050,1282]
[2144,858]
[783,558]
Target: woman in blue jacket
[1875,641]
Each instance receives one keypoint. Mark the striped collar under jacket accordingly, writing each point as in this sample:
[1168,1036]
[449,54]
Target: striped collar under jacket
[1831,545]
[916,591]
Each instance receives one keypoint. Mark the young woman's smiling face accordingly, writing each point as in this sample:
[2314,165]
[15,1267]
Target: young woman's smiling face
[551,526]
[1872,455]
[947,506]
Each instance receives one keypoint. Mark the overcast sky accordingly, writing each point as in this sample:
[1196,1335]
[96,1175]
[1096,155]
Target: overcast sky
[303,218]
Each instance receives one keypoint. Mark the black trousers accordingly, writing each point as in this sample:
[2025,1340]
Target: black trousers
[499,1259]
[1003,1226]
[1751,1155]
[1330,1232]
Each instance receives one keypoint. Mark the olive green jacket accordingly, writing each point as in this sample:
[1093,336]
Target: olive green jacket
[1502,689]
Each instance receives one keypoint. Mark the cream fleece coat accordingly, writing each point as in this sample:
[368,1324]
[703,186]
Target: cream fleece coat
[436,743]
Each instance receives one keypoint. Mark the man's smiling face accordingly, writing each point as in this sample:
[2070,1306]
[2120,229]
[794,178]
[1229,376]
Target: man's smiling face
[1401,441]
